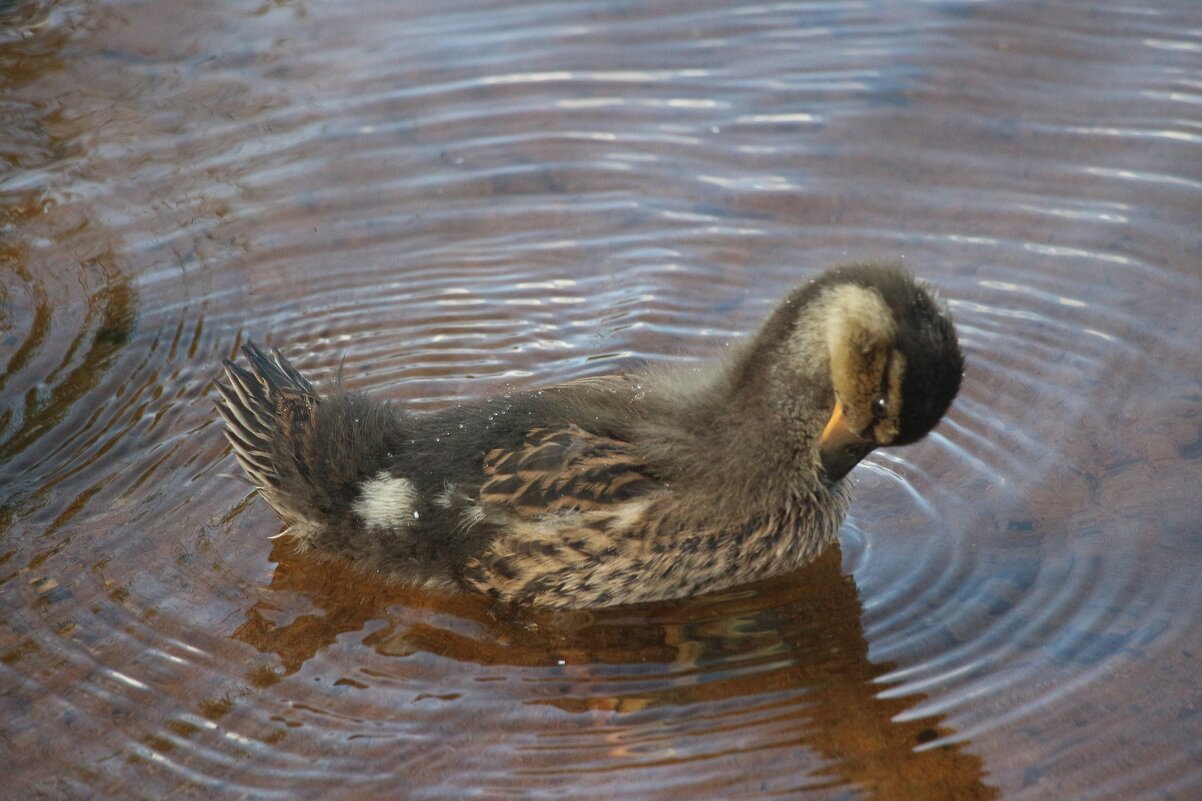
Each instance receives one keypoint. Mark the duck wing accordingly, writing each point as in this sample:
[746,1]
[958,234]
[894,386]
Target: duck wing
[564,468]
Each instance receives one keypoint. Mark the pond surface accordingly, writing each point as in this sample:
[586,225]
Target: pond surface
[455,199]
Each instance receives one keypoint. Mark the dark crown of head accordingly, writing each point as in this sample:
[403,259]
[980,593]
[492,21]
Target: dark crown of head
[926,336]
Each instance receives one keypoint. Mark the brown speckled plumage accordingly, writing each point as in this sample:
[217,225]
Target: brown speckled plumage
[616,489]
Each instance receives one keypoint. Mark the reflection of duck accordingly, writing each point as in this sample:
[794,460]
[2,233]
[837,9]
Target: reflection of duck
[778,674]
[615,489]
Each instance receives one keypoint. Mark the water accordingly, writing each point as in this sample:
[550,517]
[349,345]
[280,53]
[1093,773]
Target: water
[459,199]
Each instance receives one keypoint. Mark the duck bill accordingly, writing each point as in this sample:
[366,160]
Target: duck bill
[839,448]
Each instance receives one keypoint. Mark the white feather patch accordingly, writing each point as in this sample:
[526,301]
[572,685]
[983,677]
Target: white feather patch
[386,501]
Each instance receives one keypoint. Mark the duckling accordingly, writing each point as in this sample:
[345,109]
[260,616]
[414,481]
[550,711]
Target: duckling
[643,486]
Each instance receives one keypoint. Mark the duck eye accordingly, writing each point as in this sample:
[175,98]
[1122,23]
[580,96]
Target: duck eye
[879,407]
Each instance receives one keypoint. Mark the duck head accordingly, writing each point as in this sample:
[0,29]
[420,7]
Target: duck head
[895,363]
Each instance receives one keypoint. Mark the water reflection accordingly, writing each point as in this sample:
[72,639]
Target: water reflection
[780,665]
[104,330]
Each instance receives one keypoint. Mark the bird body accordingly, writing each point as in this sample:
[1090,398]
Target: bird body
[615,489]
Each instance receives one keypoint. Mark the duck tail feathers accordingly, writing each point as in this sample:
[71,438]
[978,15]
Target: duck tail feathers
[268,411]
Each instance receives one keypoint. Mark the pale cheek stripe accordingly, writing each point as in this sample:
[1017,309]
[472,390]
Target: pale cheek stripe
[897,369]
